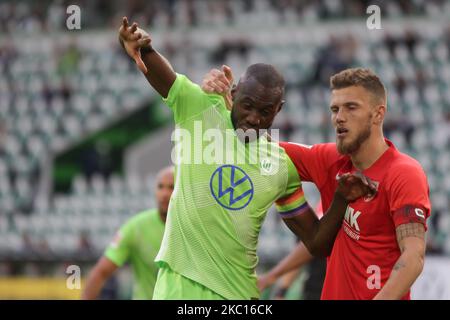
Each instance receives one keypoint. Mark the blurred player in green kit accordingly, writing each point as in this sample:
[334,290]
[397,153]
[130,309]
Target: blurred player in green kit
[137,242]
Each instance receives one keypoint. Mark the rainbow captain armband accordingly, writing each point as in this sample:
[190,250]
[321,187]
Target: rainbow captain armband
[292,205]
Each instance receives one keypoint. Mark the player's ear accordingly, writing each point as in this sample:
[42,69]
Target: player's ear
[379,114]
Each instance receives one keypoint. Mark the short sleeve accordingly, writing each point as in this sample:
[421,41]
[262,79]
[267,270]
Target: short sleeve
[293,180]
[187,99]
[311,162]
[118,251]
[293,198]
[408,196]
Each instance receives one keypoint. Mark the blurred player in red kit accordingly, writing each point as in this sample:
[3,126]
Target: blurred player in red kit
[380,248]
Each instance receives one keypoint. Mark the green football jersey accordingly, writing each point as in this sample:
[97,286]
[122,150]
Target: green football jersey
[219,202]
[138,242]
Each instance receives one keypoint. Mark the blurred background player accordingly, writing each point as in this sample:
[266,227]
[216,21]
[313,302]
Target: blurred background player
[382,237]
[213,256]
[137,242]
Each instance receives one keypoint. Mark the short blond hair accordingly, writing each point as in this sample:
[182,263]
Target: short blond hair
[363,77]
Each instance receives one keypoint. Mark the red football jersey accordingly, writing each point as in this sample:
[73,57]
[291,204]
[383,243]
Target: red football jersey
[366,248]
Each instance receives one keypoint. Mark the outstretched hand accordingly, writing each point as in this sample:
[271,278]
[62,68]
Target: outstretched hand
[353,186]
[219,82]
[133,39]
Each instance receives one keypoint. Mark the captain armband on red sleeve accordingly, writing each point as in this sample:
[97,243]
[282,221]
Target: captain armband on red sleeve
[411,214]
[292,205]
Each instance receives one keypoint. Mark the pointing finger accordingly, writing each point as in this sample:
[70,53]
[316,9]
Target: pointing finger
[125,22]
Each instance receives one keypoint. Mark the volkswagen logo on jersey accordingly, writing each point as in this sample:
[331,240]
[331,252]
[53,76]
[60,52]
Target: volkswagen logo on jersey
[231,187]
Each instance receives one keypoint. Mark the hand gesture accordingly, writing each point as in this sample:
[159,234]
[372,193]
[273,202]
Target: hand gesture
[133,39]
[353,186]
[219,82]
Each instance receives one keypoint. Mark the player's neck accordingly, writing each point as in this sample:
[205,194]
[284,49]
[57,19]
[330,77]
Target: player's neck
[369,152]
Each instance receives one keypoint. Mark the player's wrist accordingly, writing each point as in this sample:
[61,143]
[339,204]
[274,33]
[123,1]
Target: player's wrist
[339,196]
[146,50]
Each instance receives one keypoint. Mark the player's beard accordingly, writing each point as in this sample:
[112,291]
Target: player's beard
[353,146]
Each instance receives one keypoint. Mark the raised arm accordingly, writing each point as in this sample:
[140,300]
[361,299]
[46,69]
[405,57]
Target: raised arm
[137,43]
[318,235]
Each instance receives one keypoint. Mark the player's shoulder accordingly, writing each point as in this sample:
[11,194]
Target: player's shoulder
[140,217]
[326,147]
[327,150]
[404,167]
[401,161]
[184,84]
